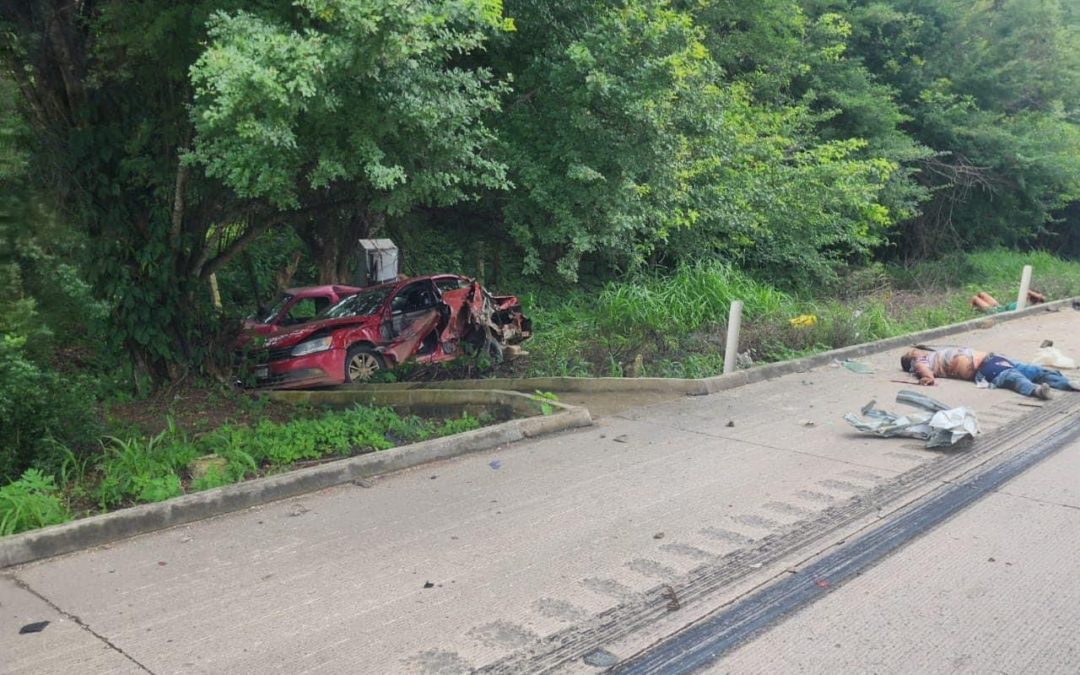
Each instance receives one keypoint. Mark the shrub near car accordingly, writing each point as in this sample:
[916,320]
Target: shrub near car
[428,318]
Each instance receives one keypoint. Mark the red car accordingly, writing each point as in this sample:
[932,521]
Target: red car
[427,318]
[296,306]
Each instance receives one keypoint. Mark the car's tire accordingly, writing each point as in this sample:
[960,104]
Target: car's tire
[362,363]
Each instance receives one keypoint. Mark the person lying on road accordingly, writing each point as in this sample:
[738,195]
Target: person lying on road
[965,363]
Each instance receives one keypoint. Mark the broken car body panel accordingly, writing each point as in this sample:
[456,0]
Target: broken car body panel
[427,318]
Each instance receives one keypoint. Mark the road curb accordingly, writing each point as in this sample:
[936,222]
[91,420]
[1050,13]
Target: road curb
[106,528]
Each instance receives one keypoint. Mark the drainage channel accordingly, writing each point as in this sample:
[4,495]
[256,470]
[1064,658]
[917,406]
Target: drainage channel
[699,586]
[705,642]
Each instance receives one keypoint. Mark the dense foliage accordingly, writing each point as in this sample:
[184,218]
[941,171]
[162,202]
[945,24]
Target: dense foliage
[148,148]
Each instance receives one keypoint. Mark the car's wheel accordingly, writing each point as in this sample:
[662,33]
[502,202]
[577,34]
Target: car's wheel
[362,363]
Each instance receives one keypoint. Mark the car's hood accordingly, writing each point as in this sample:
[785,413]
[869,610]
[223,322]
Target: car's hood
[303,332]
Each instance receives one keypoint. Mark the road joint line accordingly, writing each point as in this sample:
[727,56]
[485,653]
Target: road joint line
[77,621]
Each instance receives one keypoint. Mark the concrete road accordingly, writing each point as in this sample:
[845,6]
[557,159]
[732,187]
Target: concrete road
[567,553]
[994,590]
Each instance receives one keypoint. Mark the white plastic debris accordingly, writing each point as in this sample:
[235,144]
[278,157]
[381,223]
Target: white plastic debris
[939,426]
[1051,357]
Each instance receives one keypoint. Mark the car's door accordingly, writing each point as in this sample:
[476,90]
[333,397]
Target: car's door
[410,303]
[414,311]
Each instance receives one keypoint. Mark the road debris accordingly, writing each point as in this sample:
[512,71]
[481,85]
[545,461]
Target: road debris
[856,367]
[1050,356]
[672,597]
[940,426]
[35,627]
[599,658]
[495,464]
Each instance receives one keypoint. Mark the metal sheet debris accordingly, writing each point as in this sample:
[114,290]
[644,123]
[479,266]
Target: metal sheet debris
[940,425]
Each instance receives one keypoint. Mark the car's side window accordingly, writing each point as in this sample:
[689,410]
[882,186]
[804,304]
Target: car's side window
[302,311]
[451,283]
[413,298]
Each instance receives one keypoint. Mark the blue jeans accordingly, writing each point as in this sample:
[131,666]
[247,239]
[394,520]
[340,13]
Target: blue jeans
[1022,378]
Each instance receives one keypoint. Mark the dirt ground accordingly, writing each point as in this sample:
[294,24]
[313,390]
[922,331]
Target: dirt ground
[196,407]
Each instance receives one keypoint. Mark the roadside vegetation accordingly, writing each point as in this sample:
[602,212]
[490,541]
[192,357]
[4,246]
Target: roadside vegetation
[139,469]
[675,326]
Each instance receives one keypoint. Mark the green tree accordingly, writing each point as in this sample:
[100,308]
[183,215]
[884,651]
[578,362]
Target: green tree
[174,134]
[368,109]
[992,88]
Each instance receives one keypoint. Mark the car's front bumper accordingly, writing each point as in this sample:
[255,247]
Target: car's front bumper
[321,369]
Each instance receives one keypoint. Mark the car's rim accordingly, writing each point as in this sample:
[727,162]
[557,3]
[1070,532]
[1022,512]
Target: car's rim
[363,367]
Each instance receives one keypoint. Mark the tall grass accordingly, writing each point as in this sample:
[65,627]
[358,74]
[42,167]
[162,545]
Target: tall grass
[692,298]
[675,322]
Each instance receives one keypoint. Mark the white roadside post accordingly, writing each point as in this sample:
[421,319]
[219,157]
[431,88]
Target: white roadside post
[1025,285]
[734,325]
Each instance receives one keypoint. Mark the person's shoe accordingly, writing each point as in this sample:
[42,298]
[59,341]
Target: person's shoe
[1043,391]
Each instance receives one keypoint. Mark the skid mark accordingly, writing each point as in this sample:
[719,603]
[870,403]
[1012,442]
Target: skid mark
[437,662]
[608,587]
[862,475]
[907,455]
[503,634]
[720,534]
[812,496]
[652,568]
[560,610]
[688,551]
[787,509]
[841,485]
[757,521]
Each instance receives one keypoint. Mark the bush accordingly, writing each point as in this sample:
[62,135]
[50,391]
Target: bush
[143,470]
[38,409]
[30,502]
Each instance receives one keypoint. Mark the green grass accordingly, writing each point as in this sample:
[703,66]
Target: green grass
[677,323]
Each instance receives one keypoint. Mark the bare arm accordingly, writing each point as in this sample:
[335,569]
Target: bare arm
[925,375]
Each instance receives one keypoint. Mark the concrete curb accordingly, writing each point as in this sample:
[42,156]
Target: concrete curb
[711,385]
[96,530]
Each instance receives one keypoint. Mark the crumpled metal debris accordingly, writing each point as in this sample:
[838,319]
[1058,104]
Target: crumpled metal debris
[940,426]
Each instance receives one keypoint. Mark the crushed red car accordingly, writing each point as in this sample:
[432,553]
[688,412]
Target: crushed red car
[430,318]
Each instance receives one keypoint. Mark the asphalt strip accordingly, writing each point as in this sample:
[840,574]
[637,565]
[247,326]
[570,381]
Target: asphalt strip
[705,642]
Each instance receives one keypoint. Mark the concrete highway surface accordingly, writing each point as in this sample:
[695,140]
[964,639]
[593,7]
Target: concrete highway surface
[751,531]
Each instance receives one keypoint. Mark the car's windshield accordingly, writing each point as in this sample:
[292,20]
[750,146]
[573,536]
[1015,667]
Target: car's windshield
[361,304]
[271,314]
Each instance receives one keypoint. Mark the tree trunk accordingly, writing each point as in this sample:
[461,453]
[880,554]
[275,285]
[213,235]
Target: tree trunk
[334,242]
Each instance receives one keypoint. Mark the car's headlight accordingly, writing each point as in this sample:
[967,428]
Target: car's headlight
[312,346]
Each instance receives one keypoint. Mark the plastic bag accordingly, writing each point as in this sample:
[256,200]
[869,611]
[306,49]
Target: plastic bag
[1051,357]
